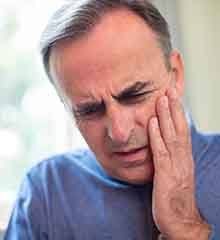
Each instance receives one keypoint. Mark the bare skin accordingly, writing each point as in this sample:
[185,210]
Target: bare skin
[175,204]
[139,136]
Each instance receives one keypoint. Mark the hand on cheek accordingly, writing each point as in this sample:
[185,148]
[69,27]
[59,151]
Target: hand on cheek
[174,205]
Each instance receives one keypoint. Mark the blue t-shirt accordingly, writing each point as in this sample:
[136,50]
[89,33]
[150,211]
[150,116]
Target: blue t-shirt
[69,197]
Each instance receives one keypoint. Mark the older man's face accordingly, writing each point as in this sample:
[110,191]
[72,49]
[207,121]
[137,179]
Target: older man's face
[111,79]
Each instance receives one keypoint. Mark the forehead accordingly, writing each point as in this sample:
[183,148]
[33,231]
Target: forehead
[120,47]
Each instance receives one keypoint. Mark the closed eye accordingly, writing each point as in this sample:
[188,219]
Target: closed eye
[134,98]
[89,110]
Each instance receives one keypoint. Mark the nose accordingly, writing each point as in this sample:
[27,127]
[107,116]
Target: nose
[120,124]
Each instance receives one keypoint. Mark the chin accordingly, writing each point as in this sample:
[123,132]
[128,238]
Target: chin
[140,181]
[137,176]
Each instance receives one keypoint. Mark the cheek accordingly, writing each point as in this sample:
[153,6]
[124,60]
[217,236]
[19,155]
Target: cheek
[145,112]
[93,133]
[148,108]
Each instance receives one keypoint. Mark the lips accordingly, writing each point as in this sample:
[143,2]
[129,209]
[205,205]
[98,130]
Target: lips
[127,151]
[132,157]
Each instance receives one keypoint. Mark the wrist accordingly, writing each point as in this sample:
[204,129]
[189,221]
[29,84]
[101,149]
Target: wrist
[203,233]
[199,232]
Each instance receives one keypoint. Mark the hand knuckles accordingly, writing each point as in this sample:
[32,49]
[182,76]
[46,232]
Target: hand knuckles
[162,154]
[173,142]
[178,144]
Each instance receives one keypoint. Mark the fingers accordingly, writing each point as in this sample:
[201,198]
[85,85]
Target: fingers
[177,113]
[159,150]
[172,120]
[166,124]
[168,132]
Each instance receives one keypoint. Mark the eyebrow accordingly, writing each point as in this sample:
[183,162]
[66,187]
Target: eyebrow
[134,88]
[87,105]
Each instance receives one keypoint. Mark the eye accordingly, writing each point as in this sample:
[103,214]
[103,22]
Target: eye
[90,111]
[134,98]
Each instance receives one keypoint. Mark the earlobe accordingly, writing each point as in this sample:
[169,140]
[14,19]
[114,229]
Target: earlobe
[177,72]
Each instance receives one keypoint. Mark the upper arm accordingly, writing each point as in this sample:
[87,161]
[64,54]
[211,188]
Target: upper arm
[27,220]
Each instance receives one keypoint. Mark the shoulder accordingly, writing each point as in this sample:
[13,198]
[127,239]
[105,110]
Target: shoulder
[61,168]
[206,148]
[205,145]
[207,177]
[63,161]
[57,176]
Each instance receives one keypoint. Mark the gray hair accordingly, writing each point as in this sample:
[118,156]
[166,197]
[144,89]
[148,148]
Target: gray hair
[77,17]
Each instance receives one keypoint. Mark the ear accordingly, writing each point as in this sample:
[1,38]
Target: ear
[177,72]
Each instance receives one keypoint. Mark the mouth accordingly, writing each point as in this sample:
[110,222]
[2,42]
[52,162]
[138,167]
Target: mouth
[132,157]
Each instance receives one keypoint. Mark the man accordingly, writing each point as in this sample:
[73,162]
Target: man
[148,172]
